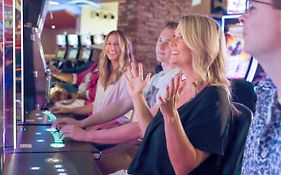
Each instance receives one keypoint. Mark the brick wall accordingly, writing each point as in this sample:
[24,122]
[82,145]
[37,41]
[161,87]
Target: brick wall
[143,20]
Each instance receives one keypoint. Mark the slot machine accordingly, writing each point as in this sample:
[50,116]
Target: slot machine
[241,67]
[86,49]
[33,146]
[62,47]
[239,64]
[73,50]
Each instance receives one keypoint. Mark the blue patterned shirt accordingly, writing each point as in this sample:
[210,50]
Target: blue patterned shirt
[262,154]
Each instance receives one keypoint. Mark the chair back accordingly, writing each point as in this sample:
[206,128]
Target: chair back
[239,126]
[243,92]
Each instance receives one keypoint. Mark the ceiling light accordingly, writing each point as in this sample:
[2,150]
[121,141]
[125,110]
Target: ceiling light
[35,168]
[85,2]
[54,3]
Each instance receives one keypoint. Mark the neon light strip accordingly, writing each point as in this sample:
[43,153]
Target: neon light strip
[21,52]
[227,17]
[3,78]
[14,77]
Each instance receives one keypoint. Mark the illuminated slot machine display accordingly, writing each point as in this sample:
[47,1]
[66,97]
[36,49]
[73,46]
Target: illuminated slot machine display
[73,48]
[67,163]
[39,117]
[99,39]
[37,134]
[62,47]
[239,64]
[42,149]
[236,6]
[45,138]
[85,49]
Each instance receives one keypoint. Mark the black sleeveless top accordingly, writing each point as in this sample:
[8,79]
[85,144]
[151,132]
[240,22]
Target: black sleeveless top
[205,120]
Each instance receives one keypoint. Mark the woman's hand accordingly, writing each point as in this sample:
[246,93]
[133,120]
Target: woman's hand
[168,102]
[73,132]
[136,83]
[60,110]
[61,122]
[54,69]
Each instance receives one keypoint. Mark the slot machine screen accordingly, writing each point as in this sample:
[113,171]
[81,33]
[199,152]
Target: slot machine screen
[238,62]
[99,39]
[60,54]
[85,54]
[236,6]
[85,40]
[72,40]
[72,54]
[61,40]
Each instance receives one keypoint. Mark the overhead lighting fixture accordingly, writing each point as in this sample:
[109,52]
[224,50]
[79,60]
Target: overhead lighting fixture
[35,168]
[52,19]
[51,15]
[196,2]
[85,2]
[54,3]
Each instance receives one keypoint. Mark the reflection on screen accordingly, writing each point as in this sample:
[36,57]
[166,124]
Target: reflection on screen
[236,6]
[61,40]
[72,39]
[60,54]
[72,54]
[86,53]
[99,39]
[86,40]
[238,62]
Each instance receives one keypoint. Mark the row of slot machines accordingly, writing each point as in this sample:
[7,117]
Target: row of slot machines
[41,149]
[74,49]
[239,64]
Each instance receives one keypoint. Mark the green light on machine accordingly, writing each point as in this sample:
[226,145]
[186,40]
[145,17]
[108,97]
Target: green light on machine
[57,145]
[58,140]
[51,116]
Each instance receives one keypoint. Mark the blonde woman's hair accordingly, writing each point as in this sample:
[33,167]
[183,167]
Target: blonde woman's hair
[204,37]
[126,56]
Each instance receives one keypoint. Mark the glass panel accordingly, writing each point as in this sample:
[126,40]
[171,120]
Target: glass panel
[8,73]
[18,59]
[1,76]
[1,83]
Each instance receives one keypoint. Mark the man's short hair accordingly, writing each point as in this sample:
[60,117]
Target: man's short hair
[171,25]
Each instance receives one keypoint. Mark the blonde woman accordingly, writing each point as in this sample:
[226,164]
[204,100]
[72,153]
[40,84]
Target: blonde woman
[114,60]
[189,133]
